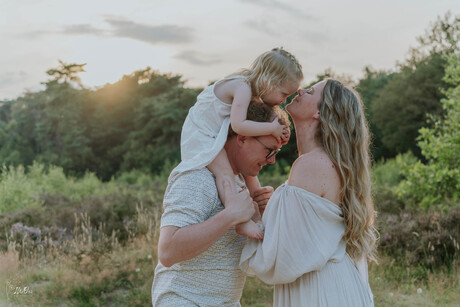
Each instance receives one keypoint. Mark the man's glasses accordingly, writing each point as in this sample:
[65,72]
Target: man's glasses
[271,152]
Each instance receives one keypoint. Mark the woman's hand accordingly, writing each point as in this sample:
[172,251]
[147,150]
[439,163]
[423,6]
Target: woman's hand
[261,197]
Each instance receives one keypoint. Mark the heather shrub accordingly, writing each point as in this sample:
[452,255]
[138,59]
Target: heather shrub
[426,239]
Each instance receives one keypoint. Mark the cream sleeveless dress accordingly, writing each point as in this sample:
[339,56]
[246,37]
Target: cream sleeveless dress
[303,253]
[205,130]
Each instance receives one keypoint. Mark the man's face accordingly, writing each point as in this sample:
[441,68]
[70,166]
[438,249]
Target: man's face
[253,153]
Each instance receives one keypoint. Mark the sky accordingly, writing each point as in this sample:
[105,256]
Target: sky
[204,40]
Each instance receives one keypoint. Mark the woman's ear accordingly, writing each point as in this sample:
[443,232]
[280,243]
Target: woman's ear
[316,116]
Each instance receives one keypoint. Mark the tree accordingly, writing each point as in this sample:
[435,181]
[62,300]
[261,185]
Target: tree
[438,181]
[370,88]
[155,138]
[400,109]
[66,72]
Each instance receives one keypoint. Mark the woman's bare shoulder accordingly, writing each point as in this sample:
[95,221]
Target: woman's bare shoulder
[316,173]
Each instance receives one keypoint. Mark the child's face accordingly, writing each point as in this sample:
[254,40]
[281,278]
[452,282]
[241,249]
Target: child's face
[279,94]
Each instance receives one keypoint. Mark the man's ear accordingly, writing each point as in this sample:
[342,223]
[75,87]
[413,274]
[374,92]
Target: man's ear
[240,139]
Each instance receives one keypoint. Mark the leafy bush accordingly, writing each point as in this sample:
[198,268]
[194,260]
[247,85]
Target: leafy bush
[386,175]
[21,188]
[438,181]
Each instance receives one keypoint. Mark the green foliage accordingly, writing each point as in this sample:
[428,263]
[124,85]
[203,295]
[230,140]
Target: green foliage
[155,137]
[438,181]
[19,190]
[400,109]
[370,87]
[134,123]
[66,73]
[386,176]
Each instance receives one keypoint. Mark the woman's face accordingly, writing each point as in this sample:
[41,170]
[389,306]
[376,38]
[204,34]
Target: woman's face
[304,106]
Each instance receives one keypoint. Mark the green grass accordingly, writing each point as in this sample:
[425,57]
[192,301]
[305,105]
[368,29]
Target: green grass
[111,256]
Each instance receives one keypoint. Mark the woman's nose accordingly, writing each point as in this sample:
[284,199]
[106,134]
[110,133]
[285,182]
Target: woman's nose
[301,91]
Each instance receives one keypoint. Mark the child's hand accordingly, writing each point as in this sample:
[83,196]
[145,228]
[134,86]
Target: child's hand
[277,130]
[286,135]
[261,197]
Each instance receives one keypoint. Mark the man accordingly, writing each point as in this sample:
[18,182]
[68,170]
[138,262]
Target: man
[198,249]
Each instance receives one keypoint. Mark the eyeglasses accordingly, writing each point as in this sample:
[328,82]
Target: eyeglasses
[271,152]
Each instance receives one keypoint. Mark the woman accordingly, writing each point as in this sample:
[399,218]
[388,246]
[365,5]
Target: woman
[319,225]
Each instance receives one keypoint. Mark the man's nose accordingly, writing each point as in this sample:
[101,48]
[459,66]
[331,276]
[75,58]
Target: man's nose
[271,160]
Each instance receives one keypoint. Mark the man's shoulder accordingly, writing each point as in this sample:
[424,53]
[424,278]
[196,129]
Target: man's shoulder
[197,177]
[195,183]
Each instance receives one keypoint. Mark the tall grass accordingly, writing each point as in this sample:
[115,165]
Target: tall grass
[81,242]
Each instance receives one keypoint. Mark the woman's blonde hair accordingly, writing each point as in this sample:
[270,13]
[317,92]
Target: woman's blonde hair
[272,69]
[344,135]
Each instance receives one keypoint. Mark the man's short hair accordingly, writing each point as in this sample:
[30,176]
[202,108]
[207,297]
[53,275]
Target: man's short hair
[261,112]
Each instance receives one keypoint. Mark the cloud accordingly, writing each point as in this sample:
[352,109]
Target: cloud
[274,29]
[263,26]
[120,27]
[280,6]
[82,29]
[150,34]
[195,58]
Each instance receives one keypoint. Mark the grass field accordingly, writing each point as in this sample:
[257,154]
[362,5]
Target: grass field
[99,248]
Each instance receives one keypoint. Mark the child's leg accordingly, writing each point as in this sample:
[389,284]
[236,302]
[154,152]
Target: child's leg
[223,171]
[253,184]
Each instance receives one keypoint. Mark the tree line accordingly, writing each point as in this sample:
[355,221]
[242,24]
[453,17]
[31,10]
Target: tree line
[135,123]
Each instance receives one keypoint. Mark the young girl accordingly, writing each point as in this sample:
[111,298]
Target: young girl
[273,77]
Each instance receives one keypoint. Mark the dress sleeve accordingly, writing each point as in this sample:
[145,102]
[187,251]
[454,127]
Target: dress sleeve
[302,233]
[191,198]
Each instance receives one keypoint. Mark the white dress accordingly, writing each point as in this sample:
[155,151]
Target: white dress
[205,130]
[303,253]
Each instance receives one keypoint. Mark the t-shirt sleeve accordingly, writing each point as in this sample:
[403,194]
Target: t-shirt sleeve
[191,198]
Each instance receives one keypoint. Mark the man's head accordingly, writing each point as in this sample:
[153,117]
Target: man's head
[247,155]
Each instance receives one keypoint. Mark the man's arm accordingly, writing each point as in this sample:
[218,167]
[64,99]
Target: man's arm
[178,244]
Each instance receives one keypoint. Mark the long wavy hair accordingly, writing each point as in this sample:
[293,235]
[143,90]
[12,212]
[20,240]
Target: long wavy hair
[344,135]
[270,70]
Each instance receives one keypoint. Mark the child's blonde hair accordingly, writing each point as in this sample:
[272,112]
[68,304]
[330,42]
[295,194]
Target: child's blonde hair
[271,69]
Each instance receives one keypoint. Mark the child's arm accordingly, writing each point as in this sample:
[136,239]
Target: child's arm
[242,126]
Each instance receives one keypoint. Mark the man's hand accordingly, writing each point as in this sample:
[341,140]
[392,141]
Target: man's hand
[238,205]
[261,197]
